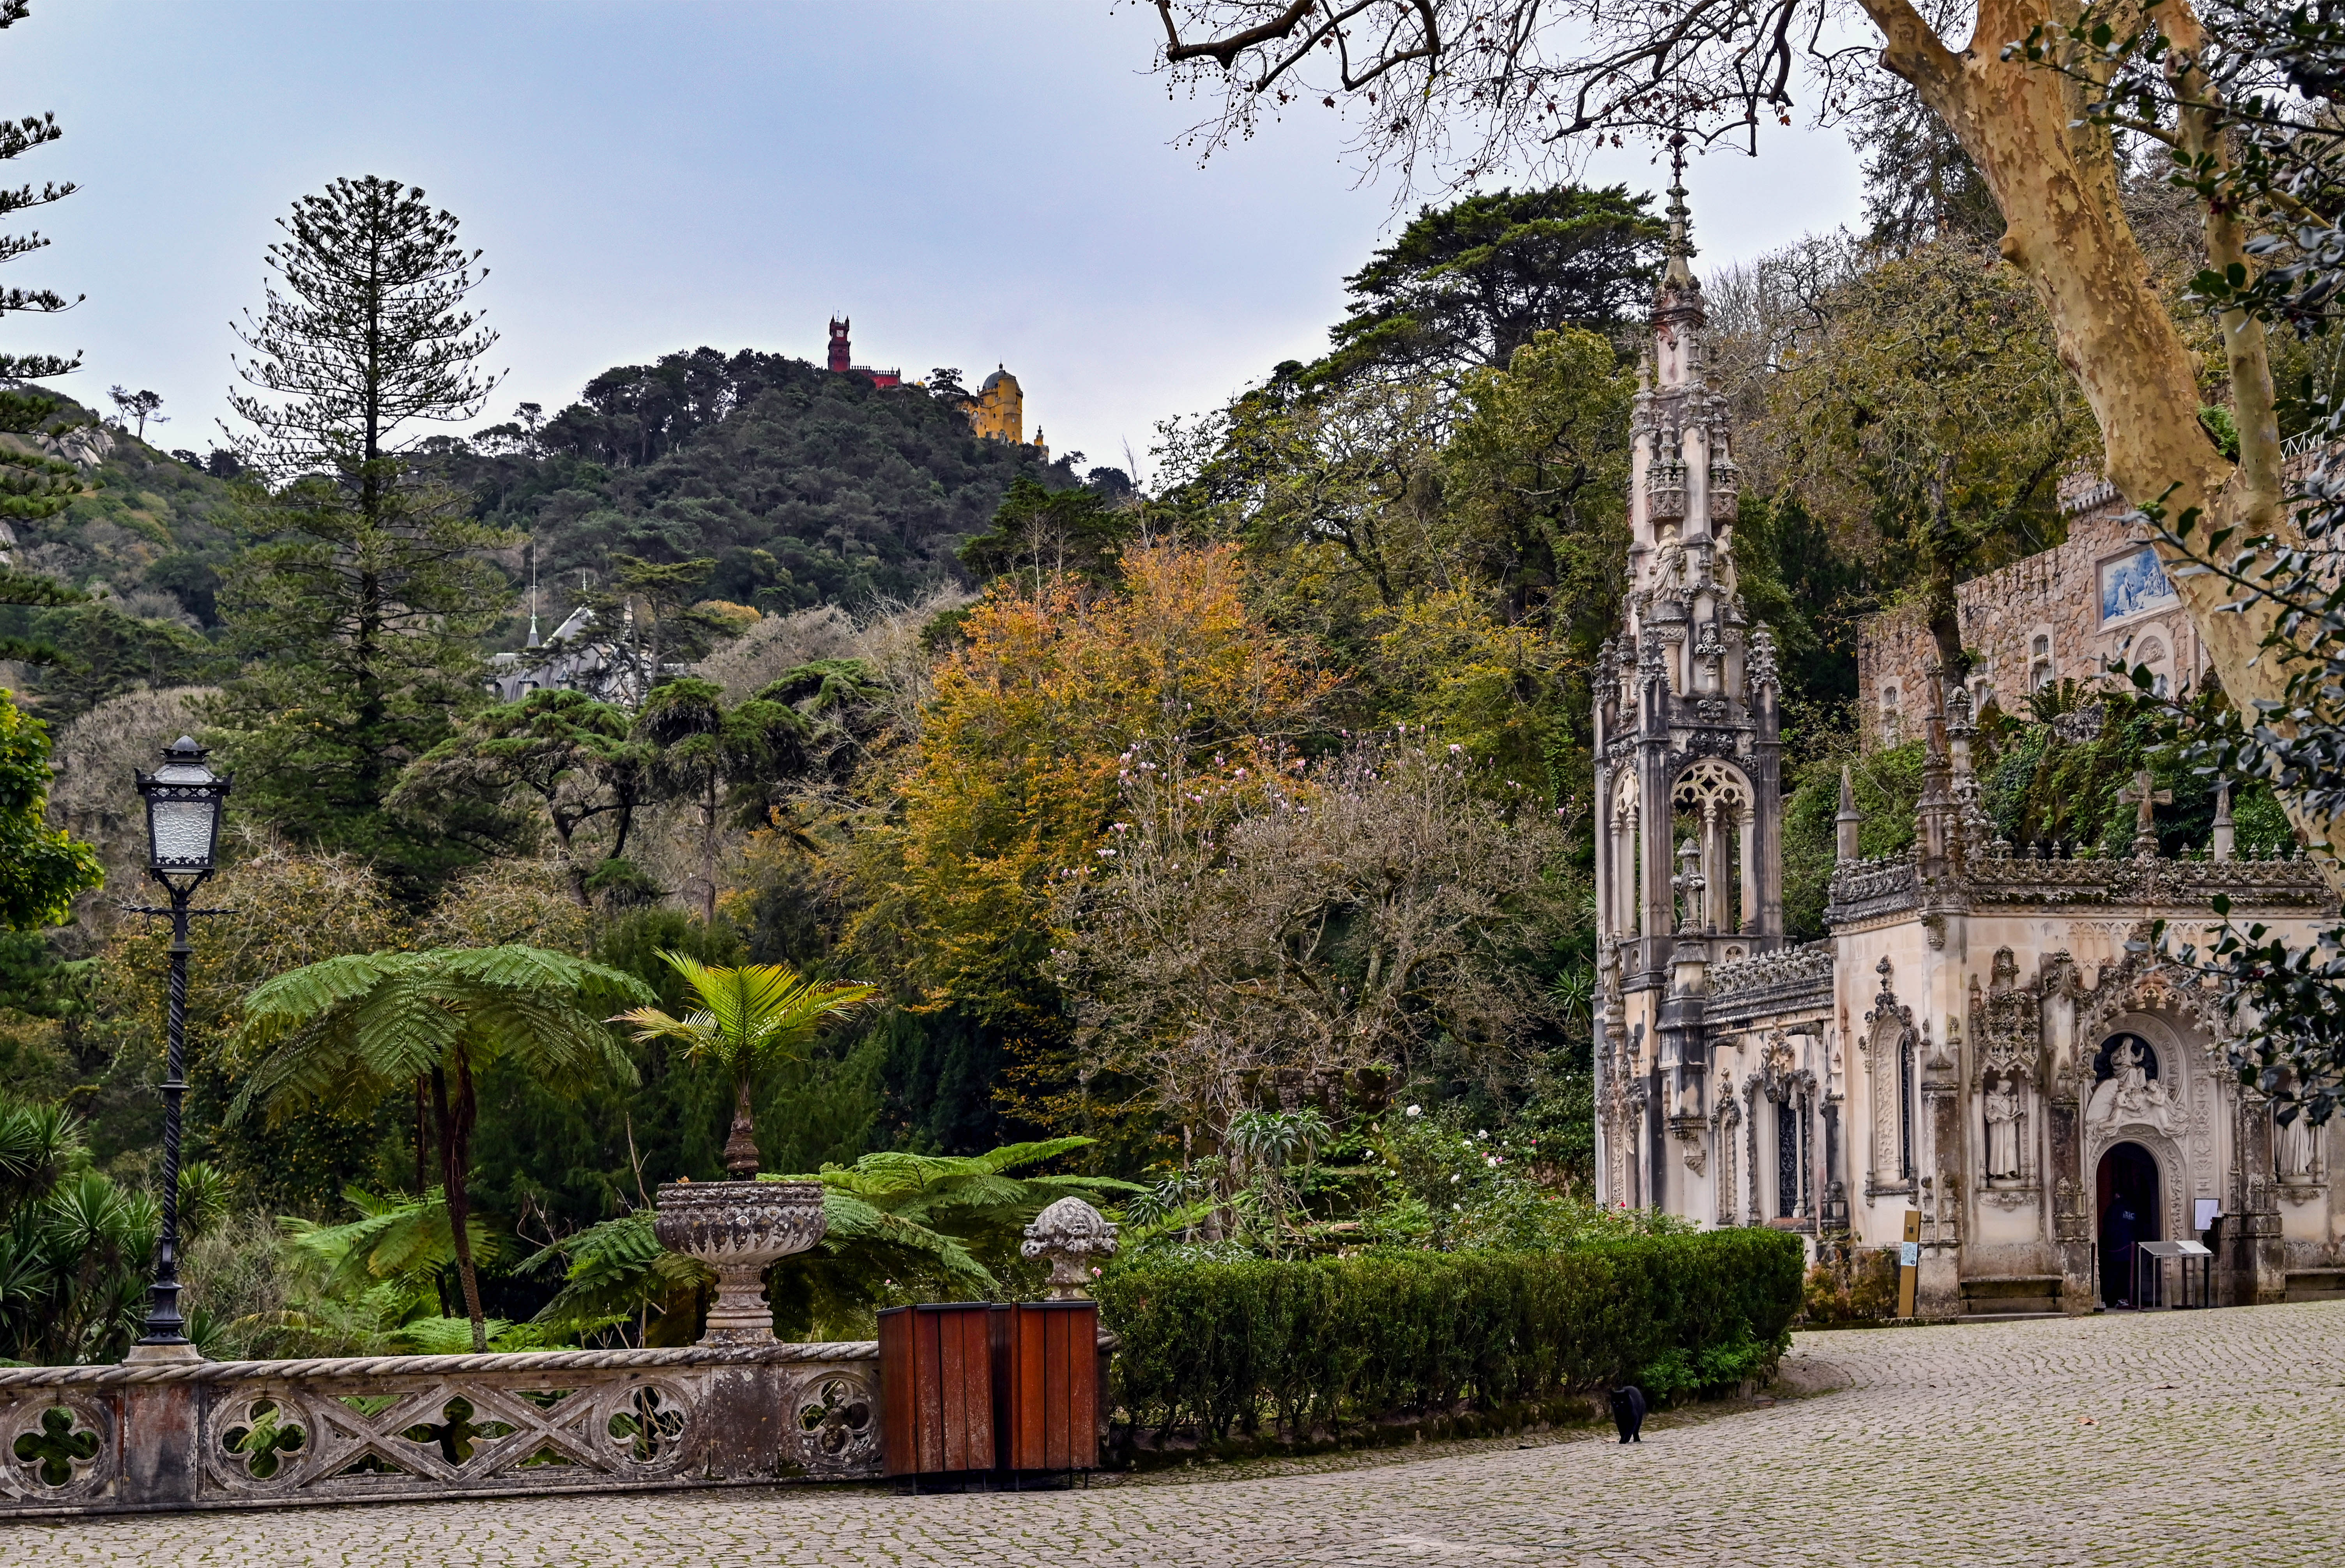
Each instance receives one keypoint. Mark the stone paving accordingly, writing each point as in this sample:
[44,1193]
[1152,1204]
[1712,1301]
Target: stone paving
[2175,1439]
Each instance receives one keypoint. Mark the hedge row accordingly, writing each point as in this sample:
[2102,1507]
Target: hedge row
[1319,1343]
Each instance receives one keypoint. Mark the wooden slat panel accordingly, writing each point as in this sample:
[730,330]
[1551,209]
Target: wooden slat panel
[928,1359]
[1033,1392]
[899,1429]
[1083,1390]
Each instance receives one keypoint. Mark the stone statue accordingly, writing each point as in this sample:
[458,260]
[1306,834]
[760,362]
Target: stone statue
[2132,1092]
[2292,1146]
[1070,1233]
[2003,1114]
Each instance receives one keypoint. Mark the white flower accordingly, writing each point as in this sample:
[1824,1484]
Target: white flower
[1455,1180]
[1454,748]
[1458,1208]
[1491,1160]
[1416,1110]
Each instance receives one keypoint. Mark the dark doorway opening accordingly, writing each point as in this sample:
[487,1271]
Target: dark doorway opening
[2128,1210]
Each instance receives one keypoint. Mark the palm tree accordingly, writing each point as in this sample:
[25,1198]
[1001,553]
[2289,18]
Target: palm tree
[368,1022]
[751,1017]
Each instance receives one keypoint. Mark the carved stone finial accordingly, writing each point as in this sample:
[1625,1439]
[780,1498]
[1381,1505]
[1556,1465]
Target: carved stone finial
[1070,1233]
[1845,825]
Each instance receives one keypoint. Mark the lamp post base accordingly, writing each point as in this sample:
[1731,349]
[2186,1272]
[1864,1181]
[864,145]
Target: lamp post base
[182,1351]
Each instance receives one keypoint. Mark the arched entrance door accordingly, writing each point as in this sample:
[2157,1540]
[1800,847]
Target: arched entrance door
[2128,1210]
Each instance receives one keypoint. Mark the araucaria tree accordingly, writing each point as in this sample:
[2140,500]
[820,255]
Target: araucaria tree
[31,486]
[365,588]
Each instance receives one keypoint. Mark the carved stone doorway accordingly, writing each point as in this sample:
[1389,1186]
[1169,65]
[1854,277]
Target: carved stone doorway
[2128,1209]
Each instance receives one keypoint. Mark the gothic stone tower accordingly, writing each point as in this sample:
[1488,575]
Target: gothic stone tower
[1688,870]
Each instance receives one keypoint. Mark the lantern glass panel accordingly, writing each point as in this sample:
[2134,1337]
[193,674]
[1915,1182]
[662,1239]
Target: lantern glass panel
[183,832]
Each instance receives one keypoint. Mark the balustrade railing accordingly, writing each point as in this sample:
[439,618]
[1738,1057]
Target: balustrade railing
[239,1434]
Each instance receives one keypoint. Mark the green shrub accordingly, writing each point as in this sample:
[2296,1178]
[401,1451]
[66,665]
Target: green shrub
[1318,1343]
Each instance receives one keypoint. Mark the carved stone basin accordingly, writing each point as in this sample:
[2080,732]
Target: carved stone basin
[738,1229]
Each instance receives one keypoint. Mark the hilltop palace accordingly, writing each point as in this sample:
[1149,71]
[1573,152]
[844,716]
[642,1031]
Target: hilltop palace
[1975,1042]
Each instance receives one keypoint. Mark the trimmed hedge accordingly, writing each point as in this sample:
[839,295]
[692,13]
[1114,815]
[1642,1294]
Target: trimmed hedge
[1317,1343]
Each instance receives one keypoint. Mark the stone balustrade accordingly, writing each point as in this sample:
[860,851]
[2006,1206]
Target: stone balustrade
[151,1436]
[1791,979]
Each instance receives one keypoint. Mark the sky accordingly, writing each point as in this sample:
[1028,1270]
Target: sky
[974,184]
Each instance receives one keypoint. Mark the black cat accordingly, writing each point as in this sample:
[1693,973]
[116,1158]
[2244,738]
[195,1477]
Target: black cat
[1629,1413]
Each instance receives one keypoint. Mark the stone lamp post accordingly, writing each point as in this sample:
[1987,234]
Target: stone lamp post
[738,1229]
[1070,1233]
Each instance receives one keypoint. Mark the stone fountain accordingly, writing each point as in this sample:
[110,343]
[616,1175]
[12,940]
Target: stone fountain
[739,1229]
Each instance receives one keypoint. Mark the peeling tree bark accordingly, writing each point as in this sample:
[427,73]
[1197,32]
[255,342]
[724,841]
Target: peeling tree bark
[2056,180]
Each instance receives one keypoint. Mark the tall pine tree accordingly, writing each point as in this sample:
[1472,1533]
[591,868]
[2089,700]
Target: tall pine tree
[365,586]
[31,486]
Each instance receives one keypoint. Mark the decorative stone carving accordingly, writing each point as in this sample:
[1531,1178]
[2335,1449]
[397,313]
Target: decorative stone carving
[2007,1025]
[1070,1233]
[739,1229]
[1890,1042]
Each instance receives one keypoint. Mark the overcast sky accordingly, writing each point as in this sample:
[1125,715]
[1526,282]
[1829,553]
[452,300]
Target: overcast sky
[975,184]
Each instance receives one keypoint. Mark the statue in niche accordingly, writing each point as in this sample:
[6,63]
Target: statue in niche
[2132,1092]
[2292,1150]
[2129,1091]
[2003,1113]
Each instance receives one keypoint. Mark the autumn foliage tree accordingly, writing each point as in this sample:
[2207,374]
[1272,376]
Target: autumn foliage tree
[1013,782]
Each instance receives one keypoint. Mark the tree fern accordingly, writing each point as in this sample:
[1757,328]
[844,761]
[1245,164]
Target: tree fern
[365,1024]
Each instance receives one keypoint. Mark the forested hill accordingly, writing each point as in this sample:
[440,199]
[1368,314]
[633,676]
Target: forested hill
[805,486]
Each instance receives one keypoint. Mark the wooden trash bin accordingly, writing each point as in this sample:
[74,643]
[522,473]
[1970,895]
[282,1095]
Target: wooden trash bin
[939,1388]
[1053,1375]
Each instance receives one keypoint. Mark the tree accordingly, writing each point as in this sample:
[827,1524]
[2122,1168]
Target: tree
[40,868]
[74,1247]
[1919,185]
[363,1025]
[701,753]
[1467,285]
[1922,407]
[16,139]
[1370,911]
[31,486]
[1043,534]
[363,594]
[575,756]
[1445,90]
[1013,784]
[2270,97]
[751,1018]
[140,407]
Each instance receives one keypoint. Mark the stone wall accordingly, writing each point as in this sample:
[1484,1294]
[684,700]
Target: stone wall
[2058,615]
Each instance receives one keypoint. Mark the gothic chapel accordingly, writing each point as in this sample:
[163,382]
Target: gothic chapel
[1975,1042]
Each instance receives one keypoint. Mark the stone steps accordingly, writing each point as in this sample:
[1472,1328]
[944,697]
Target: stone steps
[2012,1296]
[2316,1285]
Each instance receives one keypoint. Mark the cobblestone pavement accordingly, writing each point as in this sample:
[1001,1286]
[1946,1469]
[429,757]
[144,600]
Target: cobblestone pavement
[2188,1438]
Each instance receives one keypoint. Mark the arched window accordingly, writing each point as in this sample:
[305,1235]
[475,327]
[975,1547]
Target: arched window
[1714,811]
[1905,1106]
[2152,652]
[1889,716]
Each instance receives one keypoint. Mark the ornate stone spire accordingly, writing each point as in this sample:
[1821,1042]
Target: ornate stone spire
[1680,248]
